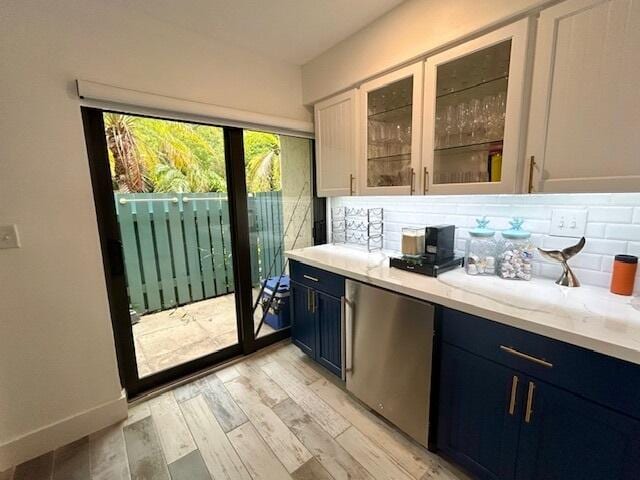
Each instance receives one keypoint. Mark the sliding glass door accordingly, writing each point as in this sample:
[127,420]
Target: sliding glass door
[194,220]
[280,212]
[170,193]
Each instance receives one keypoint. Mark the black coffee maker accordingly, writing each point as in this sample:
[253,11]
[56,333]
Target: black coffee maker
[439,253]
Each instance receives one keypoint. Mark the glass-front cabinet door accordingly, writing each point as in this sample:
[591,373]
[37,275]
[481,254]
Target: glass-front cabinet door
[473,109]
[391,119]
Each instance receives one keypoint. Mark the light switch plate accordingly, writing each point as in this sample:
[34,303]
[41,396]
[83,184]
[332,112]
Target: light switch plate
[568,222]
[9,236]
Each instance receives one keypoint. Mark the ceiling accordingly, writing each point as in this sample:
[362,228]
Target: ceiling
[293,31]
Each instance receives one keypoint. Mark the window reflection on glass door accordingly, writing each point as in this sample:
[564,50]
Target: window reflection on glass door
[278,177]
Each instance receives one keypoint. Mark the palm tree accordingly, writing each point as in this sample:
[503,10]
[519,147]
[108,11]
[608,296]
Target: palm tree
[121,141]
[262,153]
[182,157]
[149,154]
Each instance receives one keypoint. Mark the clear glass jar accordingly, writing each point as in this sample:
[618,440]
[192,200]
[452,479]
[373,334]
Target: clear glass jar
[480,251]
[413,241]
[516,253]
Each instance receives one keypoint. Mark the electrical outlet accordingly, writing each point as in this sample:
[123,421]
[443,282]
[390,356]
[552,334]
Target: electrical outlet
[568,222]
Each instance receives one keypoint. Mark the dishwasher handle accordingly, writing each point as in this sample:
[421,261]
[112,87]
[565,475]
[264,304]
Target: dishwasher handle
[347,336]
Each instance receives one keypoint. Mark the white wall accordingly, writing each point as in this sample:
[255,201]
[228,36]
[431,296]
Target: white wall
[411,30]
[613,224]
[57,355]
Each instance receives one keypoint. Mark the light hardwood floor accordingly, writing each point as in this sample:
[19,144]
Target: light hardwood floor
[275,415]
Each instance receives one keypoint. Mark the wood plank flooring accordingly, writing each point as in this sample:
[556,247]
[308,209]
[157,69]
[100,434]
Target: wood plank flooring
[275,415]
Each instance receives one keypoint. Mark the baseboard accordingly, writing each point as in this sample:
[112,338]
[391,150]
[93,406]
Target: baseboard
[60,433]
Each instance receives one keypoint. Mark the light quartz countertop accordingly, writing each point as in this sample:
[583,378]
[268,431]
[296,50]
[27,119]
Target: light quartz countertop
[590,317]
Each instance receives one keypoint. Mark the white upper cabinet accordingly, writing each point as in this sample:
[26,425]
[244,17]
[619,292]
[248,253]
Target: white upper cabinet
[390,131]
[473,110]
[336,125]
[584,129]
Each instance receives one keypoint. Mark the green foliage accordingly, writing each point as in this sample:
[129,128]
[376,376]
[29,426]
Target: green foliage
[183,157]
[262,154]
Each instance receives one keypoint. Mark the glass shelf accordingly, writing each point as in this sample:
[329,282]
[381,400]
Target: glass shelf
[474,69]
[475,85]
[393,113]
[391,158]
[390,97]
[479,146]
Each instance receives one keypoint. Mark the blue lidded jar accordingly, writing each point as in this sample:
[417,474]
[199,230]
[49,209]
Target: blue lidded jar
[480,251]
[516,252]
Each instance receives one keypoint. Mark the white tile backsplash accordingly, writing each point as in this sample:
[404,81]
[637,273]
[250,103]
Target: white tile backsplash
[611,214]
[623,232]
[613,223]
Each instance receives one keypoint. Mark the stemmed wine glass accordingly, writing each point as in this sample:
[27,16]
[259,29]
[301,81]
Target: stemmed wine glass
[462,115]
[501,111]
[489,113]
[478,129]
[450,122]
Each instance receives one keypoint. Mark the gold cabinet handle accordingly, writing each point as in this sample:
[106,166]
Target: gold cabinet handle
[351,177]
[514,394]
[532,164]
[513,351]
[425,181]
[413,181]
[309,277]
[529,411]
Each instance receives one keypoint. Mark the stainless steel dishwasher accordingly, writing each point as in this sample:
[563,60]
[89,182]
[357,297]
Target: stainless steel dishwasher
[389,346]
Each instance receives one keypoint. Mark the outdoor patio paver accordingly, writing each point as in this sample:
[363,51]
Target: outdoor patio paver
[171,337]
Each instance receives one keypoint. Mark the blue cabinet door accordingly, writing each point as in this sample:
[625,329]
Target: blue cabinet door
[303,326]
[478,423]
[329,332]
[568,437]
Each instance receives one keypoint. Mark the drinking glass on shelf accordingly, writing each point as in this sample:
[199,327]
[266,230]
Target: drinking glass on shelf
[489,113]
[479,165]
[469,176]
[441,177]
[501,110]
[462,117]
[405,139]
[439,130]
[450,123]
[374,131]
[478,130]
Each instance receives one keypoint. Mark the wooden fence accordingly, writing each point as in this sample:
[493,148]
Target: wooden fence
[177,247]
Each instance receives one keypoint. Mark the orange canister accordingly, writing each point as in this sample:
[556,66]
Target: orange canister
[624,274]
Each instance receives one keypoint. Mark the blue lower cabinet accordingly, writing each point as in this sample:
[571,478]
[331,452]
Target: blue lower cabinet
[567,437]
[476,427]
[303,325]
[316,325]
[537,415]
[329,332]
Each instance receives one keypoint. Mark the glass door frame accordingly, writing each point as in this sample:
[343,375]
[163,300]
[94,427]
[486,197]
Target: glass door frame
[416,71]
[513,141]
[113,261]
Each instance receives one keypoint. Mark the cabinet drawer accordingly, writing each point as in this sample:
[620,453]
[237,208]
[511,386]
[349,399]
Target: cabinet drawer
[606,380]
[317,278]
